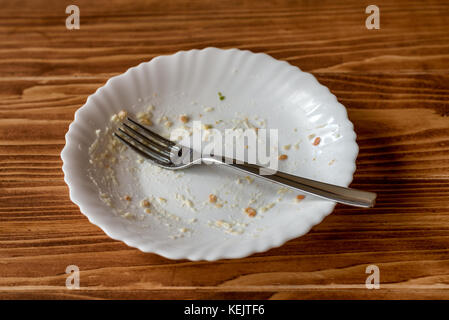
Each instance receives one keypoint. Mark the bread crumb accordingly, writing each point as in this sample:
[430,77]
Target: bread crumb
[317,141]
[267,207]
[127,197]
[147,210]
[224,224]
[282,190]
[250,212]
[122,115]
[207,126]
[184,119]
[144,203]
[128,215]
[299,198]
[283,157]
[287,146]
[212,198]
[168,124]
[144,118]
[162,200]
[189,203]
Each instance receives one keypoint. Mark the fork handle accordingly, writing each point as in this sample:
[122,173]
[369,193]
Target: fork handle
[323,190]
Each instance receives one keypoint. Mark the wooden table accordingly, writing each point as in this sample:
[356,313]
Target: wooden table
[394,82]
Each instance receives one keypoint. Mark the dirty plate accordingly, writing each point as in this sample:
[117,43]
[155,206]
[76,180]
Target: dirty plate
[109,183]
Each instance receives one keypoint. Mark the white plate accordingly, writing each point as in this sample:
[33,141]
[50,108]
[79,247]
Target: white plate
[255,86]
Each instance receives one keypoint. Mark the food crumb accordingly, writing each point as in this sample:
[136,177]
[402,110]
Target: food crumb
[212,198]
[221,96]
[283,157]
[249,179]
[184,119]
[282,190]
[250,212]
[128,215]
[299,197]
[147,210]
[267,207]
[168,124]
[209,109]
[127,197]
[189,203]
[122,115]
[287,146]
[224,224]
[144,203]
[144,118]
[207,126]
[317,141]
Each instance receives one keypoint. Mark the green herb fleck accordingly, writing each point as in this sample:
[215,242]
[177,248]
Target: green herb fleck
[222,97]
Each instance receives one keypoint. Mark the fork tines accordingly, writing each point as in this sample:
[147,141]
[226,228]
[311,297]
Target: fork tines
[144,141]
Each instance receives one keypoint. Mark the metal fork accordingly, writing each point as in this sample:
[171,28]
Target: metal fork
[170,155]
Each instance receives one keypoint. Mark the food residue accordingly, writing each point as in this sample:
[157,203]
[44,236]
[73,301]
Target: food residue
[212,198]
[144,203]
[250,212]
[184,119]
[107,151]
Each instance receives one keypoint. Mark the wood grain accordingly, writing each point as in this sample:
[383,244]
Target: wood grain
[394,82]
